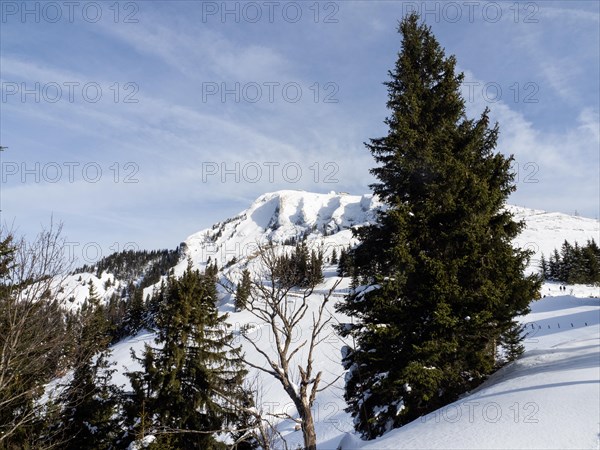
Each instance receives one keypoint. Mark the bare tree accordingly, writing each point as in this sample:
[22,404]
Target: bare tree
[31,327]
[291,363]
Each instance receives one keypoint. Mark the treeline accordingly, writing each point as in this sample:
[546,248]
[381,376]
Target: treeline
[130,265]
[573,264]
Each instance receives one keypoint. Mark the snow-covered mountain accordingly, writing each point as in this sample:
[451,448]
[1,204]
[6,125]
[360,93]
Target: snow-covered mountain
[326,220]
[549,398]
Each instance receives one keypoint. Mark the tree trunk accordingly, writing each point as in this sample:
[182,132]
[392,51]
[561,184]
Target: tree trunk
[308,430]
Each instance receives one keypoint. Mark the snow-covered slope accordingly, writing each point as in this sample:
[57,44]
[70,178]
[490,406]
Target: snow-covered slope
[547,399]
[76,288]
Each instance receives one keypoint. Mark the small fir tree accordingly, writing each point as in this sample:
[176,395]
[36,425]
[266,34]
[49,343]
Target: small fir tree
[193,378]
[243,291]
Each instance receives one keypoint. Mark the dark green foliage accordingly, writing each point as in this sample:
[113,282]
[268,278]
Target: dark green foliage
[135,315]
[315,269]
[334,257]
[553,266]
[93,332]
[212,270]
[7,250]
[153,303]
[511,341]
[344,264]
[89,407]
[130,265]
[544,267]
[445,282]
[115,312]
[191,379]
[243,290]
[300,268]
[574,264]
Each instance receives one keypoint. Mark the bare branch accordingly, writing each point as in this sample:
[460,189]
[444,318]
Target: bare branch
[31,337]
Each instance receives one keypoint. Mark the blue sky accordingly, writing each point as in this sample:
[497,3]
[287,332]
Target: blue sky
[143,122]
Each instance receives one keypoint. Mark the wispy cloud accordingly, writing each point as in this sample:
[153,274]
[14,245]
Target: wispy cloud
[201,53]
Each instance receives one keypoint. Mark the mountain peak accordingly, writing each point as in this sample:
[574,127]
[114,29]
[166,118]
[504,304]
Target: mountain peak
[279,217]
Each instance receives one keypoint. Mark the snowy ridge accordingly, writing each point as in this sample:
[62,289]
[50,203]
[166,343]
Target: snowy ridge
[326,220]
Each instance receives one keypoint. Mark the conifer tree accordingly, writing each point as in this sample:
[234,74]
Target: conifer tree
[544,267]
[136,312]
[315,269]
[578,269]
[445,281]
[95,329]
[7,250]
[555,266]
[153,303]
[566,261]
[243,290]
[90,407]
[591,255]
[191,379]
[342,270]
[512,341]
[301,264]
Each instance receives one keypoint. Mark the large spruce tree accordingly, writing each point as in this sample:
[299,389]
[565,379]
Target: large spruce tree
[192,379]
[444,281]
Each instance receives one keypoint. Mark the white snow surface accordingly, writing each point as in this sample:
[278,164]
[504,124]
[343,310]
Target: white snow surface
[75,288]
[549,398]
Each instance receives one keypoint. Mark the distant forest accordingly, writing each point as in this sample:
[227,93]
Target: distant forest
[573,264]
